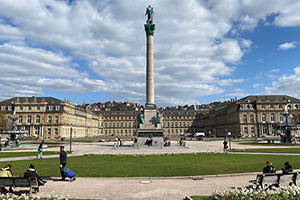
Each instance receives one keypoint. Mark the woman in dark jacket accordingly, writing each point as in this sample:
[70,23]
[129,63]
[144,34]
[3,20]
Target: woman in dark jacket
[269,168]
[31,172]
[287,168]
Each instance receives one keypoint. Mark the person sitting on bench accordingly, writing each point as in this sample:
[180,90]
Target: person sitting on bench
[269,168]
[31,172]
[6,172]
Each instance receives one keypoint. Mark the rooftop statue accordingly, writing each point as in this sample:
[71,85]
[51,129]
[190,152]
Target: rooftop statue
[150,12]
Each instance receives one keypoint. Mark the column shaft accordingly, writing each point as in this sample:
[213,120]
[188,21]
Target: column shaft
[150,71]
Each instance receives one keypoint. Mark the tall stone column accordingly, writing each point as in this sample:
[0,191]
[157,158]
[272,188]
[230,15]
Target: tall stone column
[150,72]
[149,28]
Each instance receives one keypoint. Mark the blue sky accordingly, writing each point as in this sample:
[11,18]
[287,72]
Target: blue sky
[204,51]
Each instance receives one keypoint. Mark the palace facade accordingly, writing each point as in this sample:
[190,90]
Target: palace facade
[48,118]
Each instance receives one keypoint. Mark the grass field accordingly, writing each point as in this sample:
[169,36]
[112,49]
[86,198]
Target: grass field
[22,154]
[155,166]
[275,150]
[265,144]
[200,197]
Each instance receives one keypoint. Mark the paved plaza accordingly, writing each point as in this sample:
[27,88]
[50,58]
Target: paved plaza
[169,188]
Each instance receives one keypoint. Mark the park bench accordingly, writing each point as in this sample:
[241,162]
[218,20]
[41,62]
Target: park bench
[262,179]
[30,182]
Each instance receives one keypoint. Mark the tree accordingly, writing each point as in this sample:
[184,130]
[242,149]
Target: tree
[3,120]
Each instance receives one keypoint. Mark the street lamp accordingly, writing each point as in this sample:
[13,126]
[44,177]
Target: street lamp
[71,138]
[229,133]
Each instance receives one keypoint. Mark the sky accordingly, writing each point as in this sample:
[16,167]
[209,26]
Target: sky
[95,51]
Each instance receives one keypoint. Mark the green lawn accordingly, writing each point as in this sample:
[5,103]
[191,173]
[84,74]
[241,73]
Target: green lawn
[155,166]
[275,150]
[200,197]
[22,154]
[265,144]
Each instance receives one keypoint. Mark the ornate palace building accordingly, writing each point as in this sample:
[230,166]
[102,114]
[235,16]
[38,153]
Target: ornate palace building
[251,116]
[48,117]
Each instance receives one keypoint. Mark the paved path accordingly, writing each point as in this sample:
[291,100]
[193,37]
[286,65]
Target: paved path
[142,188]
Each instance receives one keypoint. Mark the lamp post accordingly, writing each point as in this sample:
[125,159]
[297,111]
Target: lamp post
[229,140]
[71,138]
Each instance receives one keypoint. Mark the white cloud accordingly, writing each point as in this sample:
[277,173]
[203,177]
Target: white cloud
[274,70]
[99,46]
[287,45]
[286,84]
[258,85]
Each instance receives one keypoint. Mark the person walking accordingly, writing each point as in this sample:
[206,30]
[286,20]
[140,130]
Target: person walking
[40,150]
[225,146]
[63,162]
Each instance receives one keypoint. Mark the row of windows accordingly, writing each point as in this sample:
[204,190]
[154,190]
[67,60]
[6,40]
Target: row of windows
[37,119]
[264,130]
[37,131]
[9,108]
[263,118]
[117,125]
[289,106]
[179,124]
[119,118]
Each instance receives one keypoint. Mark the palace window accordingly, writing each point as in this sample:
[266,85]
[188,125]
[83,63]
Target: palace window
[37,119]
[272,118]
[29,107]
[50,107]
[28,119]
[263,118]
[20,108]
[28,130]
[280,106]
[265,130]
[38,108]
[37,131]
[252,130]
[271,106]
[57,108]
[56,120]
[251,119]
[56,131]
[20,119]
[263,107]
[49,131]
[281,118]
[246,131]
[245,118]
[49,120]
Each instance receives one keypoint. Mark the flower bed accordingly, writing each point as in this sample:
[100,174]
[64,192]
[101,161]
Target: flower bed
[149,154]
[51,196]
[285,193]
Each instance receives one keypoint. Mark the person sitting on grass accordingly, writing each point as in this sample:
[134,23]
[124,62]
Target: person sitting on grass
[269,168]
[6,172]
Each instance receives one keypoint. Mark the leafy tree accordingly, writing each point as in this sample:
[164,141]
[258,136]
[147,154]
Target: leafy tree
[3,120]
